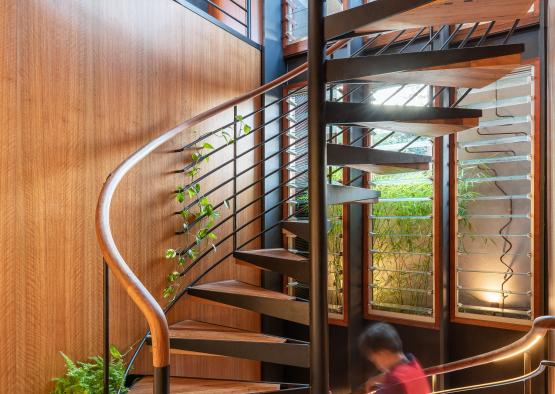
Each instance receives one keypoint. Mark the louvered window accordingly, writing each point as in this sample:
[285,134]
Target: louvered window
[496,204]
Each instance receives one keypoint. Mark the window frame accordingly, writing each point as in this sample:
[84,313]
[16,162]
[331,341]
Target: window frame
[535,227]
[437,203]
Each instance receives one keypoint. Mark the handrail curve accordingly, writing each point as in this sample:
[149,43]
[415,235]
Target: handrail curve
[540,327]
[144,300]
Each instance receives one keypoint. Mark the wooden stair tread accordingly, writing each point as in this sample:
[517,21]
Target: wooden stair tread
[278,253]
[452,12]
[423,121]
[237,287]
[377,161]
[191,329]
[384,169]
[205,386]
[474,67]
[467,74]
[340,194]
[425,129]
[277,260]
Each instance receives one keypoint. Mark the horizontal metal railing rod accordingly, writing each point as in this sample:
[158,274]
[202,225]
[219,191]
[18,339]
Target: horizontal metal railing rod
[220,148]
[470,271]
[393,235]
[402,307]
[398,271]
[495,309]
[245,188]
[400,253]
[467,253]
[481,290]
[400,289]
[425,217]
[239,5]
[222,10]
[230,124]
[493,235]
[219,205]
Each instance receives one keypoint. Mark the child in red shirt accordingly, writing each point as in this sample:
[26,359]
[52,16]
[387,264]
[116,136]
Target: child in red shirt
[381,344]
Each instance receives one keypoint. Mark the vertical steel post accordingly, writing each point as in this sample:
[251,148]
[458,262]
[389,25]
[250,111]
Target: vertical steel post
[319,359]
[527,361]
[248,19]
[235,136]
[106,324]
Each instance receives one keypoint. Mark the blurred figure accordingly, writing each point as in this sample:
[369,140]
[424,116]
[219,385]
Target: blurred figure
[402,373]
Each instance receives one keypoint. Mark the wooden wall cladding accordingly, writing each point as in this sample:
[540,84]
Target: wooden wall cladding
[84,84]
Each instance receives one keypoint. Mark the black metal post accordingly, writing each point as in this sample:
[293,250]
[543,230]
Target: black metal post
[248,18]
[235,135]
[162,380]
[319,358]
[106,324]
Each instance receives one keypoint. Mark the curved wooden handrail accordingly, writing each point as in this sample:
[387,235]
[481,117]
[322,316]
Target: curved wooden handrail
[539,328]
[135,289]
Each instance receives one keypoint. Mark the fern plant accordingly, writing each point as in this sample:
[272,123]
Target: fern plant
[88,377]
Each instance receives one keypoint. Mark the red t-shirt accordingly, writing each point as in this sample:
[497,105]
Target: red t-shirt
[406,378]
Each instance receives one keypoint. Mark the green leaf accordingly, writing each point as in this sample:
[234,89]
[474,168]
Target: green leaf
[173,276]
[181,261]
[185,214]
[194,171]
[171,253]
[192,191]
[180,197]
[204,201]
[247,129]
[168,291]
[206,145]
[239,118]
[212,236]
[192,253]
[196,156]
[197,187]
[115,352]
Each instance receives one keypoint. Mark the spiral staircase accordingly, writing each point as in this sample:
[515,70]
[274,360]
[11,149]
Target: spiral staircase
[452,65]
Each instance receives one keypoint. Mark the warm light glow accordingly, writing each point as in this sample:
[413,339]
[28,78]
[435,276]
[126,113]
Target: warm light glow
[526,348]
[494,298]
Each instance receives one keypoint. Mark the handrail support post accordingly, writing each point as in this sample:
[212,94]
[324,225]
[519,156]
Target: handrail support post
[319,358]
[106,324]
[235,136]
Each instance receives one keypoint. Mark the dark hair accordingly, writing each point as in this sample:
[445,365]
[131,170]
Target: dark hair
[380,336]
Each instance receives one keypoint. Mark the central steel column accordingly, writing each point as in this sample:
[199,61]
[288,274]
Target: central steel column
[319,358]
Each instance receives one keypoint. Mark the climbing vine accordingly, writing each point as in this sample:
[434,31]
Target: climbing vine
[200,215]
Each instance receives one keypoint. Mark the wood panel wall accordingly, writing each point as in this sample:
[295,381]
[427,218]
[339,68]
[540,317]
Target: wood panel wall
[82,85]
[549,9]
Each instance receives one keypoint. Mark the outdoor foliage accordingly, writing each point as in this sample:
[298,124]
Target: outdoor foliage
[403,241]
